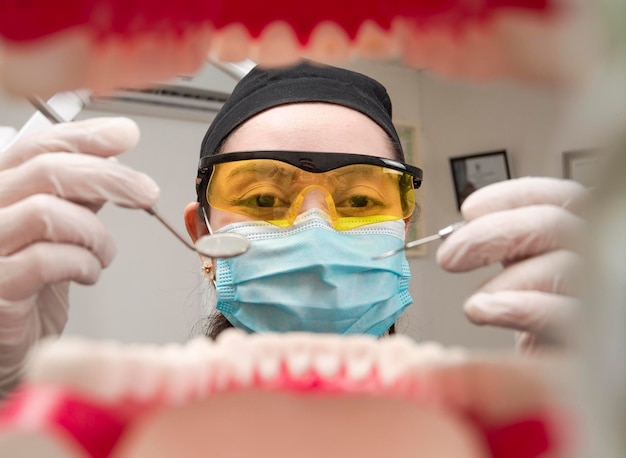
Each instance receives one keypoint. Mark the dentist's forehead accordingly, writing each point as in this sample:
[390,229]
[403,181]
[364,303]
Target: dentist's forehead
[317,127]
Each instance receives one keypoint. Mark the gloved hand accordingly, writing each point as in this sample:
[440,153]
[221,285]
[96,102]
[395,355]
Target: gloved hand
[529,226]
[49,233]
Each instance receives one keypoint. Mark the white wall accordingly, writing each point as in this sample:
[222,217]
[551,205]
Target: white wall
[456,120]
[152,291]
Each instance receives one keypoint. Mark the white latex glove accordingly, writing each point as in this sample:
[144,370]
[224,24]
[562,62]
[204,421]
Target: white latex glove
[49,233]
[528,225]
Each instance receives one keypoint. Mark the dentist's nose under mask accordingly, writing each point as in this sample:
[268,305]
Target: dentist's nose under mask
[312,277]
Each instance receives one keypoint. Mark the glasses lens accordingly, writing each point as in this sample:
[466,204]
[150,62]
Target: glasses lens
[273,191]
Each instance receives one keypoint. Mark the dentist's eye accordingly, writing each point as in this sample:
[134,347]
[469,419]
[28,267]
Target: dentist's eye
[358,201]
[262,201]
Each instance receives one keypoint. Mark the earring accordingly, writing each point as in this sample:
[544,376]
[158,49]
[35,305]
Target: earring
[207,271]
[209,275]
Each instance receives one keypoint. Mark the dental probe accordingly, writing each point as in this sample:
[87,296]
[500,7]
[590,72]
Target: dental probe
[224,245]
[441,234]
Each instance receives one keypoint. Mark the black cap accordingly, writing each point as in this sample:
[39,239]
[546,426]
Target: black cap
[262,89]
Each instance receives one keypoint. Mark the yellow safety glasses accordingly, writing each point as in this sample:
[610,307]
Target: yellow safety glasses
[276,186]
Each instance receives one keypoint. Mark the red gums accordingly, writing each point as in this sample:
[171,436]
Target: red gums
[28,21]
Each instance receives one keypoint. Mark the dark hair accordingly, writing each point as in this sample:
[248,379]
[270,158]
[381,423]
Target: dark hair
[216,323]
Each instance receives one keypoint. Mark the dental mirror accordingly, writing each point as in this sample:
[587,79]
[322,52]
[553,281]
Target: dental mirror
[222,245]
[212,246]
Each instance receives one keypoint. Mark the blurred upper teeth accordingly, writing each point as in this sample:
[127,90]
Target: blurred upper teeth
[178,373]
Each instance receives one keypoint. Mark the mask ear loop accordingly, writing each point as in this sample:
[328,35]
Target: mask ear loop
[206,220]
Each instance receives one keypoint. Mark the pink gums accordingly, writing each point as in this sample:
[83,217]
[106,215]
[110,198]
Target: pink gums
[96,427]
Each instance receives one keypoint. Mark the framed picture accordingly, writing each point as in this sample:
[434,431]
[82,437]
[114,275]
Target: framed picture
[408,133]
[582,166]
[472,172]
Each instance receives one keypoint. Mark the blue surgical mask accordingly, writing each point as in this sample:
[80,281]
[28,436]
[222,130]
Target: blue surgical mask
[311,277]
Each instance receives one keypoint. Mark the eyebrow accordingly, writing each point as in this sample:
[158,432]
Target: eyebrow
[366,170]
[259,166]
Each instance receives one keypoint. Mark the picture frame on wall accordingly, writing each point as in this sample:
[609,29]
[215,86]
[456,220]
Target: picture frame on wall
[475,171]
[582,166]
[408,134]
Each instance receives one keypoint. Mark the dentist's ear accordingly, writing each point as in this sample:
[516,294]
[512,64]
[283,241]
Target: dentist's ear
[194,222]
[407,221]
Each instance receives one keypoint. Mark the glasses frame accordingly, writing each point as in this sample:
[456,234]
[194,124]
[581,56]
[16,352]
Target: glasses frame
[314,162]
